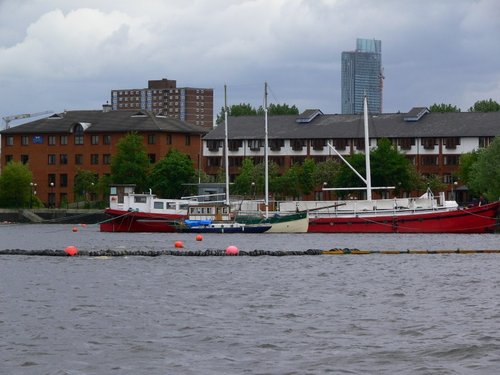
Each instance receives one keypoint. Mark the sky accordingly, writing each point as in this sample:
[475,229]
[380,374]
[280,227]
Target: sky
[69,54]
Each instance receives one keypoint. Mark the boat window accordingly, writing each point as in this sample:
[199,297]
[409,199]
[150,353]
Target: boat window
[171,206]
[158,205]
[139,199]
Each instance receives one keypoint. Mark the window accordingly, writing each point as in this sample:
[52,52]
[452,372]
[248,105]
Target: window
[235,161]
[106,139]
[10,140]
[485,141]
[52,140]
[406,143]
[151,139]
[297,144]
[78,159]
[234,144]
[169,139]
[254,144]
[359,143]
[340,144]
[429,143]
[63,159]
[25,159]
[452,142]
[51,159]
[106,159]
[451,159]
[318,144]
[214,162]
[276,144]
[79,134]
[152,158]
[187,140]
[25,140]
[429,160]
[94,159]
[447,178]
[64,140]
[94,140]
[213,145]
[9,158]
[63,180]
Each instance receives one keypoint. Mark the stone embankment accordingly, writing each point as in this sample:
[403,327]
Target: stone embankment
[52,216]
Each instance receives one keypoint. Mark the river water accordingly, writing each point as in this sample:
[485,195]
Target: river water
[325,314]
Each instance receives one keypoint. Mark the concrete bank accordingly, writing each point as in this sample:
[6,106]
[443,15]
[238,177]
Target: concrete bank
[52,216]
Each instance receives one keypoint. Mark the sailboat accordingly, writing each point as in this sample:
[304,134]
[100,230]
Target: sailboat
[425,214]
[216,216]
[290,222]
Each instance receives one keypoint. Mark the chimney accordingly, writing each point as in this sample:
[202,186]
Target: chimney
[106,107]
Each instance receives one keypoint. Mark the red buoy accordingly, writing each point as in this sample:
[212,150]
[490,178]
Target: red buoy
[232,250]
[199,237]
[179,244]
[71,251]
[75,229]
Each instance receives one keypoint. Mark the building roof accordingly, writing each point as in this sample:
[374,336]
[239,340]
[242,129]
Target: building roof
[393,125]
[98,121]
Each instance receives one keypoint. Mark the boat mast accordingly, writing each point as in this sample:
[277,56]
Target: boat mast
[226,156]
[367,151]
[266,156]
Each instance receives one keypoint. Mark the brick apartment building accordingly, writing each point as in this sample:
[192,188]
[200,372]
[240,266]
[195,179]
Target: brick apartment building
[55,148]
[190,104]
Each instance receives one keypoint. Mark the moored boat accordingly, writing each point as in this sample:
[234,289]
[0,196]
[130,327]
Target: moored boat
[216,217]
[131,212]
[402,215]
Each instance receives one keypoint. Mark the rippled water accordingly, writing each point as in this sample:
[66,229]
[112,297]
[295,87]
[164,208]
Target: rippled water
[348,314]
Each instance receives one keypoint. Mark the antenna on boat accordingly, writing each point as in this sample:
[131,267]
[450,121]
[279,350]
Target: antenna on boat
[266,156]
[226,156]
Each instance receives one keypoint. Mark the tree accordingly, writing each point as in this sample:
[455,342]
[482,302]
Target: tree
[242,109]
[391,168]
[326,172]
[279,109]
[85,183]
[243,182]
[306,176]
[15,188]
[485,173]
[443,108]
[171,174]
[465,167]
[485,106]
[346,177]
[287,185]
[130,164]
[245,109]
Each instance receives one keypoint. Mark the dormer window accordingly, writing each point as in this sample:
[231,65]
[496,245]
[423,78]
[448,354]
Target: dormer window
[78,130]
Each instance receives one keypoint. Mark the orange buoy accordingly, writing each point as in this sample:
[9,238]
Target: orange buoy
[75,229]
[83,225]
[71,250]
[179,244]
[199,237]
[232,250]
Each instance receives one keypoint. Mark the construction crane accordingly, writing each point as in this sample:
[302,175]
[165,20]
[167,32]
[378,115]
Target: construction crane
[8,119]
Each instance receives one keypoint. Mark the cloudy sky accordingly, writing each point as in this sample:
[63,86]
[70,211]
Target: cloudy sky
[69,54]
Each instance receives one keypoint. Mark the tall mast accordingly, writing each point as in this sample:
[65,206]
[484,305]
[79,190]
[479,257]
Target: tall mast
[266,156]
[226,156]
[367,151]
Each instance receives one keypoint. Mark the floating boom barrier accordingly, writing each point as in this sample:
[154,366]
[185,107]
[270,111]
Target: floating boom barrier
[217,252]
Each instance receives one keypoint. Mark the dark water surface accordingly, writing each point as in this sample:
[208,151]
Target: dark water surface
[347,314]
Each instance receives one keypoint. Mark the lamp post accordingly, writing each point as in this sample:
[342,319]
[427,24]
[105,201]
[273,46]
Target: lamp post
[52,197]
[454,192]
[33,192]
[253,190]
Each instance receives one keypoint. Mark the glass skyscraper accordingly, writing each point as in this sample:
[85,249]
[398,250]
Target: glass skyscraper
[362,74]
